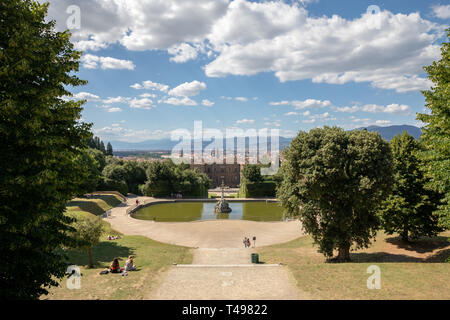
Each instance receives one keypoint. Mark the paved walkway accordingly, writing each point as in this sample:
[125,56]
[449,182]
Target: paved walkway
[221,268]
[204,234]
[226,274]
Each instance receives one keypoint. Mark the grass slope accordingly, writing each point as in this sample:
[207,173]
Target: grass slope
[415,271]
[152,258]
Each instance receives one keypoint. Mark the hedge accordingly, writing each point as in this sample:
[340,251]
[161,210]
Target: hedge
[257,189]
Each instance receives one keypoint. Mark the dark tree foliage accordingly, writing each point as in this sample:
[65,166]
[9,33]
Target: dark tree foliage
[436,133]
[165,178]
[334,181]
[96,143]
[41,136]
[409,209]
[109,149]
[252,173]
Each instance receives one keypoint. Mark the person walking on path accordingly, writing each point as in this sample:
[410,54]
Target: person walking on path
[245,242]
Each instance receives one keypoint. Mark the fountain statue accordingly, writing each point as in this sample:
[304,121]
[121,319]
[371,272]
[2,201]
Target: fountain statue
[222,206]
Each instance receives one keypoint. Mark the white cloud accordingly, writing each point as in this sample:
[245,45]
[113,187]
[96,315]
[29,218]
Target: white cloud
[90,61]
[148,95]
[184,101]
[116,132]
[182,53]
[119,99]
[333,50]
[392,108]
[114,110]
[348,109]
[241,99]
[383,122]
[246,38]
[143,103]
[442,12]
[291,114]
[309,103]
[150,85]
[86,45]
[188,89]
[86,96]
[245,121]
[207,103]
[373,108]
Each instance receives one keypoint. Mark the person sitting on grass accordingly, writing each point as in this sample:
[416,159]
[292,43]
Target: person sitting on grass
[129,264]
[115,266]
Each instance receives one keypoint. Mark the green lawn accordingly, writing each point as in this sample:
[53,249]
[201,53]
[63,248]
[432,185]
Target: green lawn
[407,271]
[152,258]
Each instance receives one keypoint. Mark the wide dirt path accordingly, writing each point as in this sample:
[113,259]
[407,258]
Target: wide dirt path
[226,274]
[204,234]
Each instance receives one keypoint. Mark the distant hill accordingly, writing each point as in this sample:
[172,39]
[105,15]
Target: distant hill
[389,132]
[166,144]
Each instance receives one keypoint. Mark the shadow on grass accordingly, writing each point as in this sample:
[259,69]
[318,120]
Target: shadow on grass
[86,205]
[422,245]
[363,257]
[102,254]
[439,257]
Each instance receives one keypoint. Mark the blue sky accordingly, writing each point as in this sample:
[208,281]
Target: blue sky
[156,66]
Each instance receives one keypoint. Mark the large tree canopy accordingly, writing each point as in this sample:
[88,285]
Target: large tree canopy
[333,181]
[41,137]
[436,133]
[409,209]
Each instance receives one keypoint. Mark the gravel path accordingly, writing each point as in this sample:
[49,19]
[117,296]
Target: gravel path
[239,280]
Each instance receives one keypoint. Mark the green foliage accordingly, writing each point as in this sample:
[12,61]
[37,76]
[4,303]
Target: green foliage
[109,149]
[252,173]
[135,176]
[166,178]
[96,143]
[87,233]
[409,209]
[333,181]
[436,133]
[257,189]
[91,174]
[41,137]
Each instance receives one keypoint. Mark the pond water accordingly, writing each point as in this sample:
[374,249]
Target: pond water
[194,211]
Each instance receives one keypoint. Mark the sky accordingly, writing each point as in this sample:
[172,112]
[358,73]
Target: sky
[154,66]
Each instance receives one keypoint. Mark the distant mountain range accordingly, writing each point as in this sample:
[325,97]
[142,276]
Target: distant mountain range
[166,144]
[389,132]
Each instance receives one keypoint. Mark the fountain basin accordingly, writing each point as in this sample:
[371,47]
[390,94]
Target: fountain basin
[185,211]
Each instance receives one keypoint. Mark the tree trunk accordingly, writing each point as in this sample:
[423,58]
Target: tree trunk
[404,236]
[344,253]
[91,264]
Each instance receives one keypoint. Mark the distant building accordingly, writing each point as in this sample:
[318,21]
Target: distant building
[230,174]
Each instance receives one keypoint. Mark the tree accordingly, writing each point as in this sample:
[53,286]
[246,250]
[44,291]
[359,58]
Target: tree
[436,132]
[91,174]
[114,178]
[135,176]
[102,147]
[252,173]
[109,149]
[41,135]
[409,209]
[87,233]
[333,181]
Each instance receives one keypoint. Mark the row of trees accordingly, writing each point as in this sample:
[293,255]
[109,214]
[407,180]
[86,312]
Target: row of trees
[96,143]
[159,178]
[345,186]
